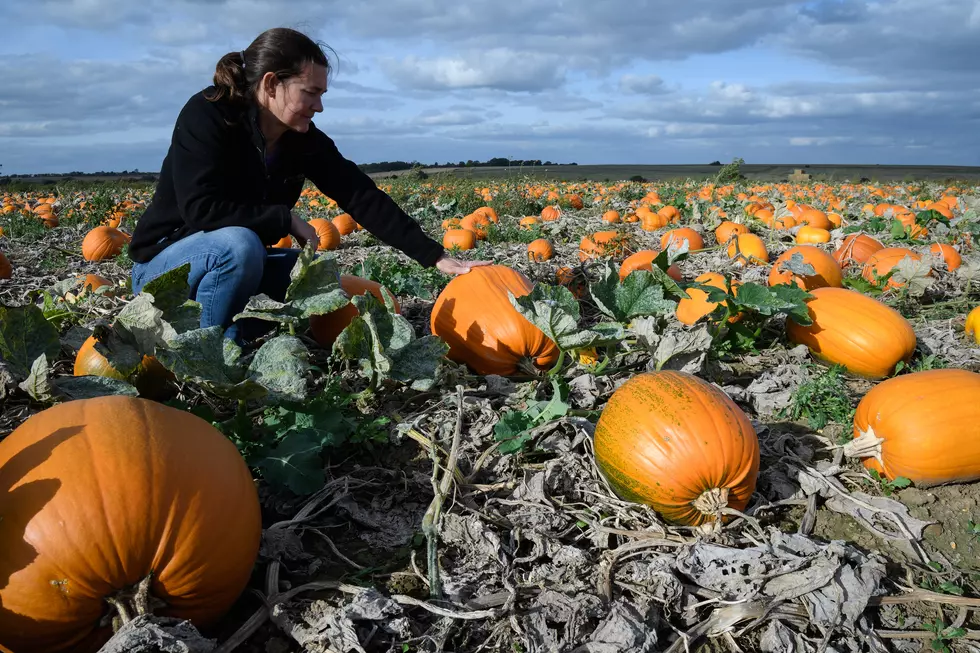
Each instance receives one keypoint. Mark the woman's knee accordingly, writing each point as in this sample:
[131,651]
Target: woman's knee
[238,246]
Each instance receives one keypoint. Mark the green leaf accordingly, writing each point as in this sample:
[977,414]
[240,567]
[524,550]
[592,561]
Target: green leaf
[640,294]
[511,430]
[315,285]
[280,366]
[555,407]
[782,298]
[170,290]
[119,348]
[295,463]
[901,482]
[207,358]
[263,307]
[555,311]
[797,265]
[144,322]
[418,362]
[88,387]
[25,335]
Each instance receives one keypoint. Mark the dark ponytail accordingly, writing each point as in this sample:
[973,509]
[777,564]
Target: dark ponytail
[280,50]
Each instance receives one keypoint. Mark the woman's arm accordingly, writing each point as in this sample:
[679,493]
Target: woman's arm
[205,197]
[357,194]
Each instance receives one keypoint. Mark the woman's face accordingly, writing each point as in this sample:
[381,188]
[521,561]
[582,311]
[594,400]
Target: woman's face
[296,100]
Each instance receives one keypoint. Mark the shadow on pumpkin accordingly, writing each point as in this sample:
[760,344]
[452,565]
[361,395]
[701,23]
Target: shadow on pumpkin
[470,348]
[18,506]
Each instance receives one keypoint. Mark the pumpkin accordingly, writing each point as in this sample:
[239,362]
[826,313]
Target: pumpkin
[286,242]
[327,233]
[815,218]
[151,378]
[826,272]
[643,260]
[459,239]
[856,248]
[488,212]
[808,235]
[883,261]
[949,255]
[473,314]
[92,282]
[102,243]
[100,494]
[528,222]
[345,224]
[924,426]
[6,269]
[611,216]
[574,281]
[727,230]
[692,308]
[854,330]
[540,250]
[747,249]
[601,243]
[972,325]
[550,213]
[693,238]
[326,328]
[477,223]
[678,444]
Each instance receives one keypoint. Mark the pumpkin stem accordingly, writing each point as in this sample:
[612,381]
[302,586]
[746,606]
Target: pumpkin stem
[712,502]
[866,445]
[132,602]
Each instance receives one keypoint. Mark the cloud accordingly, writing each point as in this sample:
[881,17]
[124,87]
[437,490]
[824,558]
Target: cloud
[498,68]
[642,85]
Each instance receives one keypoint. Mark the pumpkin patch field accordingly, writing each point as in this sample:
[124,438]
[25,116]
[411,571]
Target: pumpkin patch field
[669,416]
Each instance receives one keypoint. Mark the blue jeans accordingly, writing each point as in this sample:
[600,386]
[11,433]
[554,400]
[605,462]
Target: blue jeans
[228,266]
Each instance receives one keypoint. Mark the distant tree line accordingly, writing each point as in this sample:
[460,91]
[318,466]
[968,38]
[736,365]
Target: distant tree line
[383,166]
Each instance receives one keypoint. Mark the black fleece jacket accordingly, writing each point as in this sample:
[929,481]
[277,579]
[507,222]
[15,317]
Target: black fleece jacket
[215,175]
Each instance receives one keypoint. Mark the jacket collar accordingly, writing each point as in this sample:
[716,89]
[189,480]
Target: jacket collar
[252,124]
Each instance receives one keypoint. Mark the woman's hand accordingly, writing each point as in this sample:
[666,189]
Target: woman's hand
[301,230]
[448,265]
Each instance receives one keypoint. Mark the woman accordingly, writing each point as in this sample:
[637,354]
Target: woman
[240,153]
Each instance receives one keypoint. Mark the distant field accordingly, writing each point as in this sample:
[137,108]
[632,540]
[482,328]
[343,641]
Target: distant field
[755,172]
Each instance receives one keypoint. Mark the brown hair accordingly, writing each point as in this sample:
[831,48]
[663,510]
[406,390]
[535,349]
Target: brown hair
[280,50]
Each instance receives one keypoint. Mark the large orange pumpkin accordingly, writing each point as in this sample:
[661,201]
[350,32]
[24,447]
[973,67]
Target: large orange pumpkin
[679,444]
[459,239]
[326,328]
[345,224]
[473,314]
[924,426]
[860,333]
[826,272]
[151,378]
[747,249]
[102,243]
[856,248]
[679,235]
[98,494]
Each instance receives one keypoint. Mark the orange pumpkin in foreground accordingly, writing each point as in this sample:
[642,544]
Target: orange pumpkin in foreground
[924,426]
[856,248]
[326,328]
[473,314]
[327,233]
[98,494]
[860,333]
[679,444]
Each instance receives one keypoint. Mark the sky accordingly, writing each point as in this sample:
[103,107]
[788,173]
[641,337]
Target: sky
[93,85]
